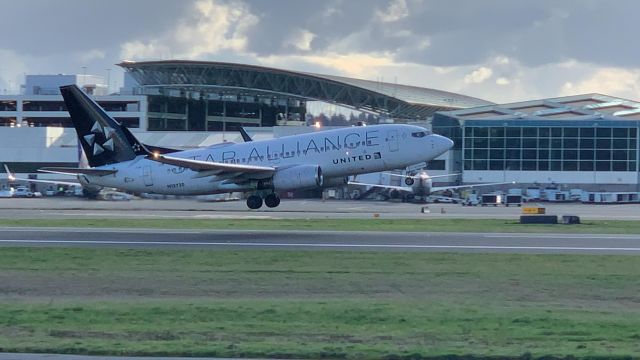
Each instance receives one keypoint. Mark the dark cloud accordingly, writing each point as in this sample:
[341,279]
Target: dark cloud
[330,21]
[43,27]
[56,36]
[460,32]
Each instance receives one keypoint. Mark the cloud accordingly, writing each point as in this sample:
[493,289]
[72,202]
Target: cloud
[479,75]
[396,10]
[93,54]
[622,82]
[13,66]
[503,81]
[501,60]
[300,39]
[211,27]
[352,65]
[535,49]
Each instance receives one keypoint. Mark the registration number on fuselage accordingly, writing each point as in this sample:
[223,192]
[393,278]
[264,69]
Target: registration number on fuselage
[176,185]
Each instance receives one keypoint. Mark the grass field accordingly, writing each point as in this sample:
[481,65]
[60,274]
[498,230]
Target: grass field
[431,225]
[320,304]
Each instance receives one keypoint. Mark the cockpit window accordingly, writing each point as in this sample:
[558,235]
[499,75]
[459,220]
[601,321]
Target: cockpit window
[419,134]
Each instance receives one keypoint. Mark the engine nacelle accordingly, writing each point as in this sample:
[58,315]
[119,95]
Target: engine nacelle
[335,182]
[298,177]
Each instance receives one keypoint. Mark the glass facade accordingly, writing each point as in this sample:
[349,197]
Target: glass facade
[167,113]
[547,148]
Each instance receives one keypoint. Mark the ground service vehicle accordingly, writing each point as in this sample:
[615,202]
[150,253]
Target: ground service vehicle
[491,199]
[512,199]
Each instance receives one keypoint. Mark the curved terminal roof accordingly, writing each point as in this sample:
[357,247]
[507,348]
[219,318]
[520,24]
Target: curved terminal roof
[576,107]
[393,100]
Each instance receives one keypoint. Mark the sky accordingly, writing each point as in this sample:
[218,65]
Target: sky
[497,50]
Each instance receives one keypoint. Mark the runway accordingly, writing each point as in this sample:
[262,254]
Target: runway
[322,240]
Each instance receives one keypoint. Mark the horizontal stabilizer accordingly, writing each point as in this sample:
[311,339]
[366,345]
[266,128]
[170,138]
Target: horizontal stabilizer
[12,177]
[76,171]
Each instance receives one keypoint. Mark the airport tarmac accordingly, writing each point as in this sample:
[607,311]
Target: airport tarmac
[322,240]
[61,207]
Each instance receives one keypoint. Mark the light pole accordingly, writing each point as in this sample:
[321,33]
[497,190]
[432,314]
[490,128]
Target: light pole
[84,75]
[108,81]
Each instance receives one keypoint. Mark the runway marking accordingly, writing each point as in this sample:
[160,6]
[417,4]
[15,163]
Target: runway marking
[564,236]
[559,236]
[325,245]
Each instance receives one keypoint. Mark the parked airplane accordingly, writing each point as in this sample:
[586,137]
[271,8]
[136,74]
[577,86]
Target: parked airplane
[118,160]
[421,185]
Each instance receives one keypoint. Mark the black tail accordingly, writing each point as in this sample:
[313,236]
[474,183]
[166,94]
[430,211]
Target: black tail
[102,138]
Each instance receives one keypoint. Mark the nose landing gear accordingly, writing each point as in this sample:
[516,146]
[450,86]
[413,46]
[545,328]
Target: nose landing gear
[255,201]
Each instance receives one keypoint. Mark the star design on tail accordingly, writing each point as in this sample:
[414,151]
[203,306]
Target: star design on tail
[106,145]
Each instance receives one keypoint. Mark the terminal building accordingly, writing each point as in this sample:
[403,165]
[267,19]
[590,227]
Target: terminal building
[585,141]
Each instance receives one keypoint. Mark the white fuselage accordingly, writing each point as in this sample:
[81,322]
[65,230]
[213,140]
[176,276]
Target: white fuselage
[422,185]
[339,153]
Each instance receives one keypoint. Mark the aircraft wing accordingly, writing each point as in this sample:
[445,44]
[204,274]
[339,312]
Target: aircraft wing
[418,176]
[399,188]
[199,165]
[443,188]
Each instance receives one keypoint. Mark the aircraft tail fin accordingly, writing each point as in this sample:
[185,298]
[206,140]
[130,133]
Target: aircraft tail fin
[101,137]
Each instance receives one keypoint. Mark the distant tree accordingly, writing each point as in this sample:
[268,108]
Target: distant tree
[309,118]
[323,119]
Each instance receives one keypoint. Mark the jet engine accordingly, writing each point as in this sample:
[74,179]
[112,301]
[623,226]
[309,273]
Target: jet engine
[298,177]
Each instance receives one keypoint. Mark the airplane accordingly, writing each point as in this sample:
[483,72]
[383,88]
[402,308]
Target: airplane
[421,185]
[262,167]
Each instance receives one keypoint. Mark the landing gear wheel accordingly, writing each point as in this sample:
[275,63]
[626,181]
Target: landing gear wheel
[272,200]
[254,202]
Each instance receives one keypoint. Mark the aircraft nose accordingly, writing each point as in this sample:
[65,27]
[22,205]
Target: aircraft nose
[448,143]
[443,143]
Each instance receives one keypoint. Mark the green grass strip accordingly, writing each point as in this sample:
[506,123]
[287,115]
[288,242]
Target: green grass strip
[413,225]
[324,304]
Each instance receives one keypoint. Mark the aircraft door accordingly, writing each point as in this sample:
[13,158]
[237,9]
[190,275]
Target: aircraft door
[392,140]
[146,176]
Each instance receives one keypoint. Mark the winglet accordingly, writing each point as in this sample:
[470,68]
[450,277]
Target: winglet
[245,135]
[9,174]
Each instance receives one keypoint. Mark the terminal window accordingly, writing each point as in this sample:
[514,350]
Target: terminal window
[549,148]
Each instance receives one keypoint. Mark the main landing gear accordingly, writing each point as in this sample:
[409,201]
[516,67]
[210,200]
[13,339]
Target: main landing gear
[272,200]
[255,201]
